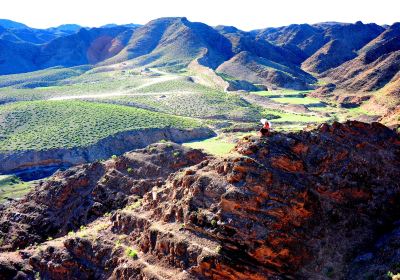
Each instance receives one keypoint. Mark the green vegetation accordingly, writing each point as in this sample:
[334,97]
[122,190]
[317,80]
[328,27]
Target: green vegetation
[291,117]
[218,146]
[185,98]
[176,154]
[12,187]
[45,125]
[114,101]
[297,100]
[41,78]
[282,92]
[393,276]
[132,253]
[134,205]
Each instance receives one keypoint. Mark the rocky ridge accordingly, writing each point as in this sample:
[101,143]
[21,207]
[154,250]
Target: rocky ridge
[290,206]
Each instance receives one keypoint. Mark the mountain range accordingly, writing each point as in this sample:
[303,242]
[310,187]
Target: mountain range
[351,59]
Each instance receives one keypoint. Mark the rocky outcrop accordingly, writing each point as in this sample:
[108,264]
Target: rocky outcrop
[289,206]
[38,164]
[81,194]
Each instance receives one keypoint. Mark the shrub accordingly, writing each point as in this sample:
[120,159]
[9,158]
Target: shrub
[134,205]
[132,253]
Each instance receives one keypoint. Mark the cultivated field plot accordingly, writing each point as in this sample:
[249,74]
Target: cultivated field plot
[42,125]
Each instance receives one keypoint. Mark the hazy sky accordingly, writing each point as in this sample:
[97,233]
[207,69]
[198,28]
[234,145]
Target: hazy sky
[245,14]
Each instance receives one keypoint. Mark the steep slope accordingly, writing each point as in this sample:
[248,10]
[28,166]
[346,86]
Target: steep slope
[344,42]
[29,35]
[290,206]
[17,57]
[373,74]
[85,47]
[257,45]
[265,72]
[175,41]
[386,102]
[9,24]
[302,39]
[377,63]
[18,32]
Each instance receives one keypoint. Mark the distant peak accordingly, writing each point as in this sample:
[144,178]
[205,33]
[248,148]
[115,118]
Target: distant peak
[10,24]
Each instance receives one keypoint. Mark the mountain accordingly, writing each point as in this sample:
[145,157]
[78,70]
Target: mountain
[175,41]
[85,47]
[322,46]
[302,39]
[375,70]
[344,42]
[133,25]
[249,42]
[65,29]
[272,57]
[17,57]
[316,204]
[9,24]
[18,33]
[264,72]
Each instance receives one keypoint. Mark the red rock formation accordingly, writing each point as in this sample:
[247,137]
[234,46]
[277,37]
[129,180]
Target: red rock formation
[290,206]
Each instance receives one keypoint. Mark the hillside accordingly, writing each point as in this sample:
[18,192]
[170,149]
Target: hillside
[152,213]
[344,42]
[84,47]
[175,41]
[9,24]
[373,74]
[266,73]
[302,39]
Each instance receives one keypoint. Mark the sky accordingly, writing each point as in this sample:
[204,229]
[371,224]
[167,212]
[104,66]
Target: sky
[244,14]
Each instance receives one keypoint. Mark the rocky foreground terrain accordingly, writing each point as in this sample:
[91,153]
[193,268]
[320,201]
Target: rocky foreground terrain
[320,204]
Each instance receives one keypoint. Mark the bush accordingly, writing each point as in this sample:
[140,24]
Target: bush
[132,253]
[176,154]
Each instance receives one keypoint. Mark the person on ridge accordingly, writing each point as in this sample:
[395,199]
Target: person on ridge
[266,129]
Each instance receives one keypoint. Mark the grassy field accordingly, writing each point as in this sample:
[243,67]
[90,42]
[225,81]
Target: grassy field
[42,125]
[282,92]
[12,187]
[215,146]
[297,100]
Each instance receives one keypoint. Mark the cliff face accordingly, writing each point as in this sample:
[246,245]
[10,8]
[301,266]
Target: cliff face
[290,206]
[33,164]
